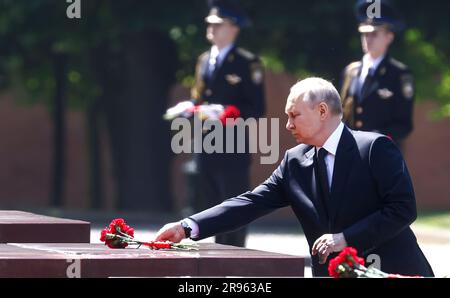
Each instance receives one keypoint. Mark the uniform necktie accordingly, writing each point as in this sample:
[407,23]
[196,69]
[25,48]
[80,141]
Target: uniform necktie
[212,63]
[367,81]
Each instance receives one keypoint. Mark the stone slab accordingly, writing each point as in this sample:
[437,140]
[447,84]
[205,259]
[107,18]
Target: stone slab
[97,260]
[25,227]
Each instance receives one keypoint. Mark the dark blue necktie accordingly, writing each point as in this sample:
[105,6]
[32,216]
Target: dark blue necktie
[367,81]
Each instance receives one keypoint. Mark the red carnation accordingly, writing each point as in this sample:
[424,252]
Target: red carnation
[116,223]
[159,245]
[351,255]
[109,239]
[230,112]
[130,232]
[333,270]
[348,264]
[103,235]
[344,264]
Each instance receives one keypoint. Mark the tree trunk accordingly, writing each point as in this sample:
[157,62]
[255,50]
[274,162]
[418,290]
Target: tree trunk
[94,152]
[136,81]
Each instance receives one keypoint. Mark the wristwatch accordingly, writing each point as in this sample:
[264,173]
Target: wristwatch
[187,229]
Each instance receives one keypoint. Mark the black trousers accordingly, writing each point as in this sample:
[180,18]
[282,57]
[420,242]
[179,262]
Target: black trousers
[217,183]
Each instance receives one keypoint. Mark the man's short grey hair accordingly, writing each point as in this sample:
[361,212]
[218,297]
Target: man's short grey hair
[317,90]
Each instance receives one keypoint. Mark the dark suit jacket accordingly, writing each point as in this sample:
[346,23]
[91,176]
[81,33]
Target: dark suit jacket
[372,202]
[386,105]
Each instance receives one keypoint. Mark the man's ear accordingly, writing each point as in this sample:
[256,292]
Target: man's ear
[391,36]
[237,30]
[323,109]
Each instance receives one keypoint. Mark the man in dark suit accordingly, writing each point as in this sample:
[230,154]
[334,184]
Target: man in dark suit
[347,188]
[232,77]
[378,91]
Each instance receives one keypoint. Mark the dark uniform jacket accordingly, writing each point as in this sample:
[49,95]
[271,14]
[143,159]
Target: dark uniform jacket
[385,105]
[238,81]
[371,201]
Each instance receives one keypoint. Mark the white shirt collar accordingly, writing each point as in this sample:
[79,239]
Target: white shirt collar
[220,55]
[372,63]
[332,142]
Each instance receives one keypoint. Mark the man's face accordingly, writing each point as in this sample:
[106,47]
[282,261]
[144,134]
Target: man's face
[304,120]
[376,42]
[221,34]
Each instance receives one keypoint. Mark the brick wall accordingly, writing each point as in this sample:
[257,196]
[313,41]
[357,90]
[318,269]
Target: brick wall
[26,149]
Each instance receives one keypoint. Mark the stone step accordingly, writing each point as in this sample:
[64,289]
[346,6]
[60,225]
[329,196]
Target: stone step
[24,227]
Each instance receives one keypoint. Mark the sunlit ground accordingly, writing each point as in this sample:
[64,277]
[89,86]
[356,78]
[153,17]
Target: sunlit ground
[432,231]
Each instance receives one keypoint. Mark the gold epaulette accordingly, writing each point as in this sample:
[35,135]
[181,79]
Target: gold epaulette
[352,67]
[246,54]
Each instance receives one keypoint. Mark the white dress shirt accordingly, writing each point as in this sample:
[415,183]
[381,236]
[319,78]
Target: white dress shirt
[331,145]
[194,227]
[369,65]
[216,57]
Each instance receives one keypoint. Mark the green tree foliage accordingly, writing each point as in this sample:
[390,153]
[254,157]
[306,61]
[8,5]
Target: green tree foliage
[298,36]
[320,37]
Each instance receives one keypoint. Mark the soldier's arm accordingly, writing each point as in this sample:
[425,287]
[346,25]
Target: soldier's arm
[253,89]
[199,84]
[347,100]
[402,125]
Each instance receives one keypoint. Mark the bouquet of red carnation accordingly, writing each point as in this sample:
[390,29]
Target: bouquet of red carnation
[347,264]
[120,235]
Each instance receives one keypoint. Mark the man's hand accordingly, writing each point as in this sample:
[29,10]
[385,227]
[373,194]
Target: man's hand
[328,244]
[173,232]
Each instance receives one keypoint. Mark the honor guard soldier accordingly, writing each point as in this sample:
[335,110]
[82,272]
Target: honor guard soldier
[233,77]
[378,92]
